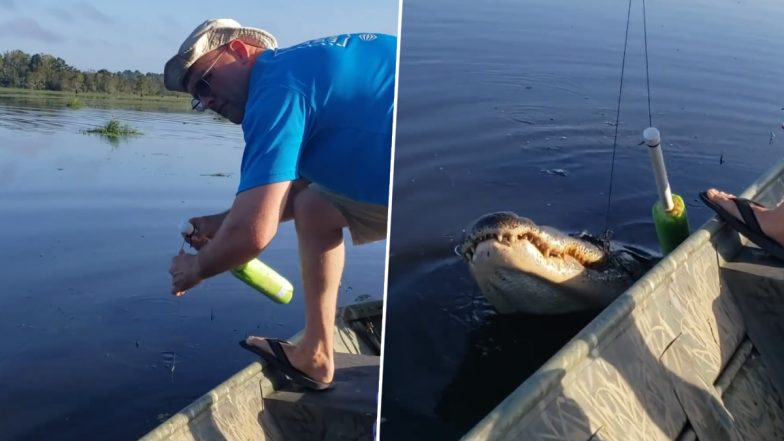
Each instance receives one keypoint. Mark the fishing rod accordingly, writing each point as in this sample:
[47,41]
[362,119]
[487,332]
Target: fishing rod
[669,211]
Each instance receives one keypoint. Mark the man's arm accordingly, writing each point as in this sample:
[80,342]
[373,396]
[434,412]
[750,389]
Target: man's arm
[247,229]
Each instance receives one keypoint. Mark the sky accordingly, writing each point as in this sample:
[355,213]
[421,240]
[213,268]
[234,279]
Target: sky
[143,34]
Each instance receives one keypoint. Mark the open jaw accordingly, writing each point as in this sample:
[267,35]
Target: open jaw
[523,267]
[511,235]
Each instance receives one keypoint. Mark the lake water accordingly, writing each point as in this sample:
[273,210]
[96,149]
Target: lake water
[93,345]
[492,96]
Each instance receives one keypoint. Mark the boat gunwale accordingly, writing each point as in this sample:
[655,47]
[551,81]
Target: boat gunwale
[204,403]
[542,382]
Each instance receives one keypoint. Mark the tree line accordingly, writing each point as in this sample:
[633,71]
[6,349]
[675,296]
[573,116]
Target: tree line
[46,72]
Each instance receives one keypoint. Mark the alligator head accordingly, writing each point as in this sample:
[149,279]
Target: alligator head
[522,267]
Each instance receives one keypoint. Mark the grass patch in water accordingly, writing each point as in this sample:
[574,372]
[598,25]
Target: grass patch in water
[74,103]
[114,129]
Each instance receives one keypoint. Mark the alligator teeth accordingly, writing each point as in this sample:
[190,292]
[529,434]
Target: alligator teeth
[547,246]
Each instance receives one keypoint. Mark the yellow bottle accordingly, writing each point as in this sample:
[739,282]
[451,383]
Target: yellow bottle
[257,275]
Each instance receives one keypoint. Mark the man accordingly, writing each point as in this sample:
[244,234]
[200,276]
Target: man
[317,122]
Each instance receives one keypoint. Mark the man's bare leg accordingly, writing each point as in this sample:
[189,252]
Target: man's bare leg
[771,220]
[322,254]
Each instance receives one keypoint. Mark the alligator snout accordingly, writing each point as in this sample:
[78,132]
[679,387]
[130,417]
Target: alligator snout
[515,231]
[524,267]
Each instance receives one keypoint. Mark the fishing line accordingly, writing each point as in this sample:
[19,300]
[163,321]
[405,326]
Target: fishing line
[647,74]
[618,109]
[617,121]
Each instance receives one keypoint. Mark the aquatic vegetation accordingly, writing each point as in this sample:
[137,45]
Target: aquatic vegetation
[74,103]
[114,129]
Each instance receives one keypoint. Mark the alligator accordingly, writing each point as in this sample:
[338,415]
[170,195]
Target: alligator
[522,267]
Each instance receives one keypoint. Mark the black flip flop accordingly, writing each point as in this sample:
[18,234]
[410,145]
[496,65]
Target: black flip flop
[279,359]
[749,226]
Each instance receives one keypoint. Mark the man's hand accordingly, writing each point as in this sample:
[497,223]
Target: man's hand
[205,228]
[185,273]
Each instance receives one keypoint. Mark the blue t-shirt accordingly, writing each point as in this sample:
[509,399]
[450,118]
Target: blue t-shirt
[322,110]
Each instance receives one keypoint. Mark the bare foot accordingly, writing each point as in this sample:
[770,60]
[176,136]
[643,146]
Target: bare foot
[771,220]
[317,365]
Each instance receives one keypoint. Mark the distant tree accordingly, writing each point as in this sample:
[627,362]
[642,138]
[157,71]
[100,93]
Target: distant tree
[16,65]
[46,72]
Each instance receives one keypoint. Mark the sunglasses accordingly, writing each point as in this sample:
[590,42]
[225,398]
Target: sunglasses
[203,87]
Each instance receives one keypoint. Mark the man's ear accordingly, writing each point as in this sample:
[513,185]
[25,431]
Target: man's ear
[240,49]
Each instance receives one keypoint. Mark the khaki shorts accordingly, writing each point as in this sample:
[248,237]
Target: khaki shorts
[366,222]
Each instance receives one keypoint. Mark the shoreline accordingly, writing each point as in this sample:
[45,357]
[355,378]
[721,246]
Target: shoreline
[170,103]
